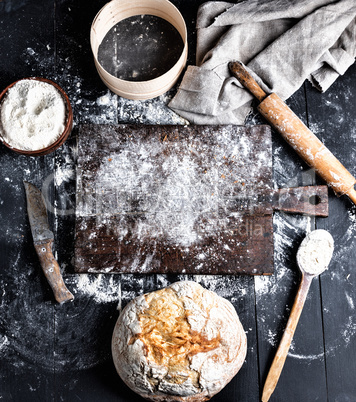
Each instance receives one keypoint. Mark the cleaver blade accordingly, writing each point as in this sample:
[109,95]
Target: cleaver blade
[43,241]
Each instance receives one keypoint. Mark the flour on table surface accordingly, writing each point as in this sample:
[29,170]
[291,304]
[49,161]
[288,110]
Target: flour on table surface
[102,290]
[152,111]
[107,107]
[64,175]
[179,191]
[4,342]
[230,287]
[286,229]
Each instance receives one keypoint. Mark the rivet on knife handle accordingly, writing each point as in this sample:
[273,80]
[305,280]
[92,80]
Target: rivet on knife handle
[298,135]
[43,241]
[52,272]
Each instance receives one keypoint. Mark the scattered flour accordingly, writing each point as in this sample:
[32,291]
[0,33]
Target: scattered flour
[351,230]
[99,288]
[286,229]
[64,175]
[109,109]
[33,115]
[181,192]
[349,331]
[4,342]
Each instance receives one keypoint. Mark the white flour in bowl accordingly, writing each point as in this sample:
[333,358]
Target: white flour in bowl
[33,115]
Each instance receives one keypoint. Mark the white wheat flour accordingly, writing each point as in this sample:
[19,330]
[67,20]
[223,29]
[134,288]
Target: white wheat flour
[33,115]
[315,252]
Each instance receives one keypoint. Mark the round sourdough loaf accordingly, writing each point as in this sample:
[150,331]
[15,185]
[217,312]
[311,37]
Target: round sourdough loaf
[180,343]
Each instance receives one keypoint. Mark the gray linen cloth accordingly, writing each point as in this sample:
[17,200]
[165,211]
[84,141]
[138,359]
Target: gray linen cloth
[282,42]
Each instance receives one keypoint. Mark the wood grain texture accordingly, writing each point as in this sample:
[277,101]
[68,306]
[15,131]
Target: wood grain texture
[283,348]
[275,297]
[335,126]
[308,200]
[216,181]
[62,353]
[297,134]
[307,145]
[21,281]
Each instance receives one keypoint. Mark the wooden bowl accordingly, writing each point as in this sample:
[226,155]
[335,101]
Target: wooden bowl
[118,10]
[68,125]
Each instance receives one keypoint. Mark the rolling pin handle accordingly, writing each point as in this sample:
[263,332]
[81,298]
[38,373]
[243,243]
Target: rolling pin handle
[239,71]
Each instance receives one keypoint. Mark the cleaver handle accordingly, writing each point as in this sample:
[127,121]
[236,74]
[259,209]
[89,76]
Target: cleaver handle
[308,200]
[52,272]
[298,136]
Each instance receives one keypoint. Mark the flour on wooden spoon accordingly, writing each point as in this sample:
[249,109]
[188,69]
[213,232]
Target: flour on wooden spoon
[315,252]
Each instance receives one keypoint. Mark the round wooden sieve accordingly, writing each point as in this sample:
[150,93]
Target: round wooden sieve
[118,10]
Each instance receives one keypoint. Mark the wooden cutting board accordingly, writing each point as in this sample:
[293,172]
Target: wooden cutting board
[178,199]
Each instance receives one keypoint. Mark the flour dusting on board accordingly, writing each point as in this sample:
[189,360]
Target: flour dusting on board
[179,191]
[168,196]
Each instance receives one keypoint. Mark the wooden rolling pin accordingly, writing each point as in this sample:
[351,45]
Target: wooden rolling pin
[297,134]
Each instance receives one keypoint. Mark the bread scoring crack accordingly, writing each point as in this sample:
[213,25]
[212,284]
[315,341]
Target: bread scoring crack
[168,338]
[181,343]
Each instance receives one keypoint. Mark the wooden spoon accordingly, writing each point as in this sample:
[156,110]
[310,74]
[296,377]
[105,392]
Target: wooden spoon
[313,257]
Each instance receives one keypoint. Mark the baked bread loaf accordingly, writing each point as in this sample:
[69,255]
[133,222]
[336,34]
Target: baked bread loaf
[180,343]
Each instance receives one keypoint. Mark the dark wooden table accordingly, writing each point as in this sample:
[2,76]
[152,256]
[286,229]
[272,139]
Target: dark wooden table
[62,353]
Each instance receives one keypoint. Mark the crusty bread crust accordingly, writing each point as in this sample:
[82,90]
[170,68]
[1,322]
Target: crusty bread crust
[180,343]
